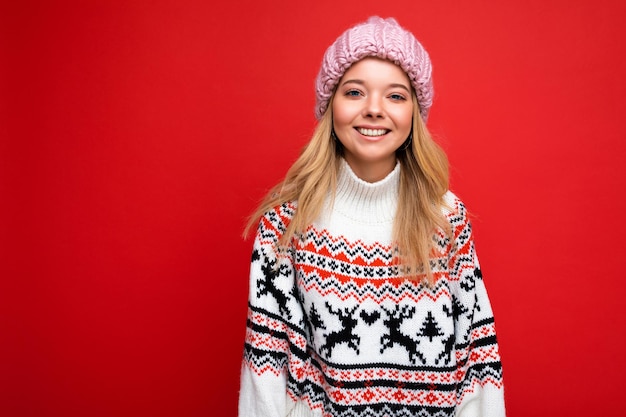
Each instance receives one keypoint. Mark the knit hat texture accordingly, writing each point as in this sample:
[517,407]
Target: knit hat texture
[381,38]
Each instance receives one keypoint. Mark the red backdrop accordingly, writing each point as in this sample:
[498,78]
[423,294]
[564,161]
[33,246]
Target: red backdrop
[137,136]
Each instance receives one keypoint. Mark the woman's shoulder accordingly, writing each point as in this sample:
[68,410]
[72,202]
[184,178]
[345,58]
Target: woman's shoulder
[453,206]
[280,214]
[287,208]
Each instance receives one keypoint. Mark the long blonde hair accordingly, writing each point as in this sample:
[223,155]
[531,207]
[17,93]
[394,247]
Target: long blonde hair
[423,183]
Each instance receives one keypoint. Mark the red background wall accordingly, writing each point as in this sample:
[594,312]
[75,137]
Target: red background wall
[137,136]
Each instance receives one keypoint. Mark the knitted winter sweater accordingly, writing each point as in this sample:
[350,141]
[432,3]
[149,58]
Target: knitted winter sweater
[332,329]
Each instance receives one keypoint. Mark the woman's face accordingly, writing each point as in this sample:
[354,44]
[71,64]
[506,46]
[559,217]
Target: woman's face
[372,116]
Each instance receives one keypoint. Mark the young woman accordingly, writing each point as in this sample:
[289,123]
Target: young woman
[366,296]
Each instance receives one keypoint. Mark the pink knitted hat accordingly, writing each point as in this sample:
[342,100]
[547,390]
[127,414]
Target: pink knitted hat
[381,38]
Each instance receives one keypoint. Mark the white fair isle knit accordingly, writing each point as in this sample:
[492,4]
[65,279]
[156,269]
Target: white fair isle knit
[333,331]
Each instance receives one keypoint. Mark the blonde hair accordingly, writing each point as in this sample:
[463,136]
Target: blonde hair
[423,183]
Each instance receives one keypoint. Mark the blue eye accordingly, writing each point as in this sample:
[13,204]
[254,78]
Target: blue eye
[398,97]
[353,93]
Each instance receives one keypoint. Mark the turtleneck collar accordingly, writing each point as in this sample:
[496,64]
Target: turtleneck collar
[366,202]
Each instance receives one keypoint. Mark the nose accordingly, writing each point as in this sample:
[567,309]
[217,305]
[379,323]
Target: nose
[373,106]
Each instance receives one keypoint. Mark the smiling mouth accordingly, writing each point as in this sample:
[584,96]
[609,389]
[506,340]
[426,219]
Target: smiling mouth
[371,132]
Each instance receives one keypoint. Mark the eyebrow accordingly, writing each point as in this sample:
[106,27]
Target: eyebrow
[392,85]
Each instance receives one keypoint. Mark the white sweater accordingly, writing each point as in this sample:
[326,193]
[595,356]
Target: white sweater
[333,330]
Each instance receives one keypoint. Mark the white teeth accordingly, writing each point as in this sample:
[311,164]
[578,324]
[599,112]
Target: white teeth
[372,132]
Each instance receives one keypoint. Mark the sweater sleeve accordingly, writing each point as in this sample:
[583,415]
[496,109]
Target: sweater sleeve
[480,390]
[274,360]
